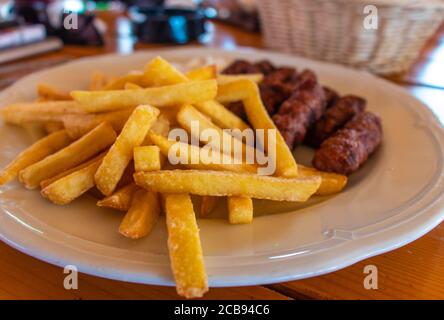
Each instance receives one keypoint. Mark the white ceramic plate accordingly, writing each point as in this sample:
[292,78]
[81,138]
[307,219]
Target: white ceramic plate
[394,199]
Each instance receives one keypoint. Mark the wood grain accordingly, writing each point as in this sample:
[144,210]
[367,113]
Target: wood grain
[414,271]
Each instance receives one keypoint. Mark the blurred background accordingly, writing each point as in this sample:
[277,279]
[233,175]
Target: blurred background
[384,38]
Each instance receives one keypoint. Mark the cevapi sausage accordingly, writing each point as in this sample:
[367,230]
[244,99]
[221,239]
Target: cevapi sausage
[349,148]
[345,109]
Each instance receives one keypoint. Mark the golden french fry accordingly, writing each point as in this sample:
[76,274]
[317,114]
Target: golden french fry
[188,115]
[207,205]
[39,150]
[98,81]
[53,126]
[221,116]
[189,92]
[159,72]
[217,183]
[240,210]
[69,157]
[184,247]
[331,182]
[121,199]
[203,73]
[72,186]
[225,78]
[132,86]
[121,153]
[142,215]
[120,82]
[79,125]
[20,113]
[248,92]
[49,93]
[62,174]
[186,153]
[148,158]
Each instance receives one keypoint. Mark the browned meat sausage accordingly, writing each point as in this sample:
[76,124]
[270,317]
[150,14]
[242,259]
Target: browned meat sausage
[331,96]
[241,67]
[334,119]
[350,147]
[299,112]
[265,67]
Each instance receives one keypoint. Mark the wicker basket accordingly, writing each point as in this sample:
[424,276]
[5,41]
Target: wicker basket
[333,30]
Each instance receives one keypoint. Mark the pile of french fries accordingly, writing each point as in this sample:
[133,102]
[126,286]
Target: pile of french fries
[112,140]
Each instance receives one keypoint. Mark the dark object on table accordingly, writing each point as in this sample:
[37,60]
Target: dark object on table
[160,25]
[86,34]
[345,109]
[348,149]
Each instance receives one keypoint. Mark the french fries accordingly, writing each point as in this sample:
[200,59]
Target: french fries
[207,206]
[72,186]
[148,158]
[21,113]
[39,150]
[49,93]
[248,92]
[121,153]
[69,157]
[188,92]
[65,173]
[77,125]
[331,182]
[184,246]
[216,183]
[225,78]
[240,210]
[142,215]
[98,81]
[159,72]
[221,116]
[203,73]
[187,153]
[120,82]
[121,199]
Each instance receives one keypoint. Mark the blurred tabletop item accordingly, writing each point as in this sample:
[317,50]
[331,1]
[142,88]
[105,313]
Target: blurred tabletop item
[415,271]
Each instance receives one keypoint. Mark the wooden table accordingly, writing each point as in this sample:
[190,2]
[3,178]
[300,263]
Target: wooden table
[415,271]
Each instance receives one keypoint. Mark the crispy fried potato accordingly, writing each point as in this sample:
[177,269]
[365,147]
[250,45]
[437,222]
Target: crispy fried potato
[121,199]
[120,82]
[216,183]
[79,125]
[53,126]
[331,182]
[132,86]
[49,93]
[203,73]
[240,210]
[204,161]
[225,78]
[166,96]
[59,176]
[148,158]
[221,116]
[142,215]
[207,205]
[184,247]
[21,113]
[248,92]
[188,114]
[39,150]
[121,153]
[69,157]
[159,72]
[72,186]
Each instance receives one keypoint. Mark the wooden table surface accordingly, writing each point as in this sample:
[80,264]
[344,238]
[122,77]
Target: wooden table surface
[415,271]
